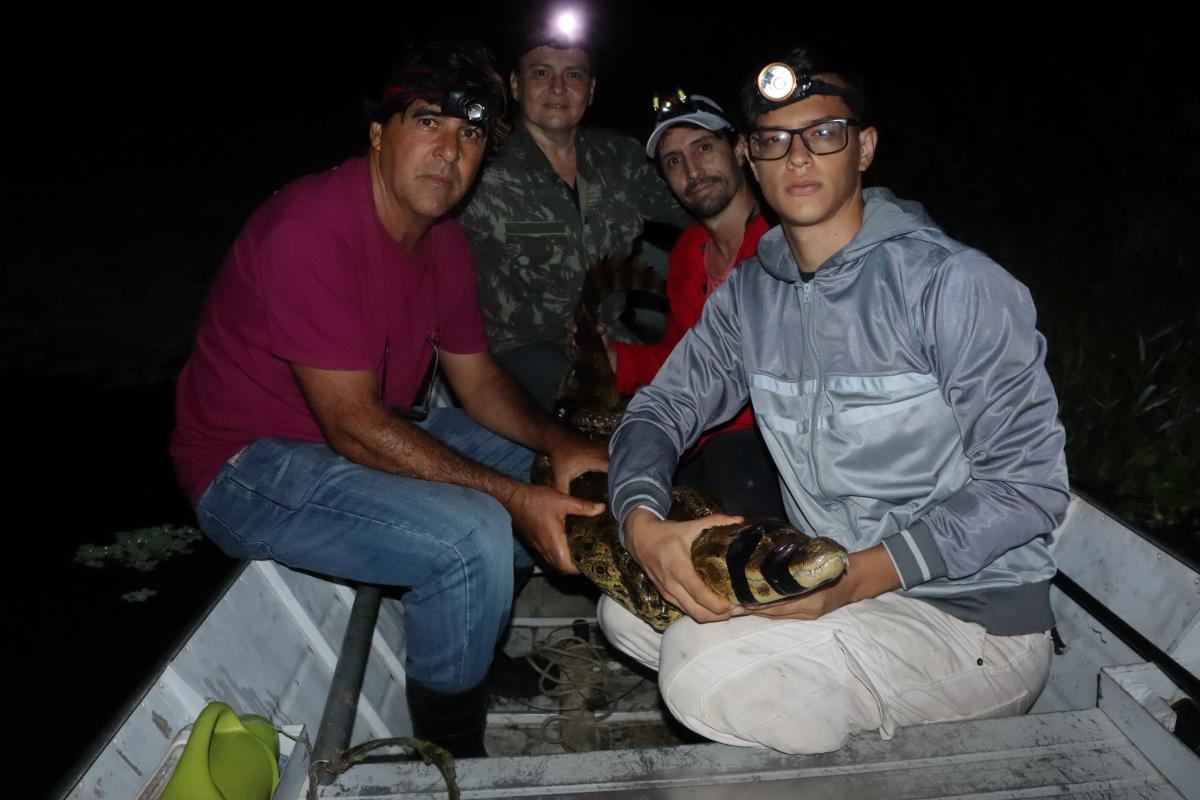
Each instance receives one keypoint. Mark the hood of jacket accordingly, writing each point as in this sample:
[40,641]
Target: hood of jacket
[885,217]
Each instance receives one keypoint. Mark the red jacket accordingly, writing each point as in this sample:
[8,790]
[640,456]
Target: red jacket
[687,285]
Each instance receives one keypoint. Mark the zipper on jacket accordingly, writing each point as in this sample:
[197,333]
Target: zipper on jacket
[810,325]
[806,299]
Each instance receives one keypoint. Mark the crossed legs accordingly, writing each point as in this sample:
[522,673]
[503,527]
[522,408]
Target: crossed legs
[805,686]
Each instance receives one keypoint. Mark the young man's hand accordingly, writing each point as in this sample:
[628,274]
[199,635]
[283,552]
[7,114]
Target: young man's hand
[870,574]
[539,515]
[664,549]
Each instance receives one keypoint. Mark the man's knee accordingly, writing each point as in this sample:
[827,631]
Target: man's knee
[479,542]
[627,633]
[803,699]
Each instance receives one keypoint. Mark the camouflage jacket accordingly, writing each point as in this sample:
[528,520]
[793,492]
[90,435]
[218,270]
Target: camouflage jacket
[531,245]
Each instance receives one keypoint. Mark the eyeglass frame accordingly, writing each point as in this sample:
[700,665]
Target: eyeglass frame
[846,123]
[420,408]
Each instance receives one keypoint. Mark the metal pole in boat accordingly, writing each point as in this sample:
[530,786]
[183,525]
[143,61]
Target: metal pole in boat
[341,706]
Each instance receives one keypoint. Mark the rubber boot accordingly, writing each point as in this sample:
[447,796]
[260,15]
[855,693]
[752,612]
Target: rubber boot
[453,721]
[514,677]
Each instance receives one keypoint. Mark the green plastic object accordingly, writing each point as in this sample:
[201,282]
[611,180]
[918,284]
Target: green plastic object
[227,757]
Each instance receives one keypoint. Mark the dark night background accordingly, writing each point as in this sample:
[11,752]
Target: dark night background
[1064,146]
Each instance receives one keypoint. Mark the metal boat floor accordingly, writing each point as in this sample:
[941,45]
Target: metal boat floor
[557,747]
[560,747]
[1066,754]
[599,701]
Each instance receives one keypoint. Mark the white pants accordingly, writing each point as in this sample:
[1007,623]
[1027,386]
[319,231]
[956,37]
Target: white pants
[804,686]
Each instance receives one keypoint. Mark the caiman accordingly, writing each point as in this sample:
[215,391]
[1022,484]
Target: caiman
[755,562]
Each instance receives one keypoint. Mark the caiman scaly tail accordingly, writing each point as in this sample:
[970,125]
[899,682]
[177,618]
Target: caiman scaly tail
[752,563]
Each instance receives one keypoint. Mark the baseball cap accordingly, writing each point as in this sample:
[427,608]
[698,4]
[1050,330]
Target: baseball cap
[677,107]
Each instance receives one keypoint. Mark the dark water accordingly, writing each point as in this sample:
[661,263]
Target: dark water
[90,461]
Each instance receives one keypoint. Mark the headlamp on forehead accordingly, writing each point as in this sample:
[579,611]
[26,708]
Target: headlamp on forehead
[464,105]
[777,81]
[780,85]
[468,104]
[569,25]
[564,29]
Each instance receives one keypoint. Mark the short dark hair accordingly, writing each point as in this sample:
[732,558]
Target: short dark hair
[429,70]
[811,62]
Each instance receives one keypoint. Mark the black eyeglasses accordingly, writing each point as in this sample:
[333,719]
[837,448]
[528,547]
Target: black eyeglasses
[821,138]
[419,410]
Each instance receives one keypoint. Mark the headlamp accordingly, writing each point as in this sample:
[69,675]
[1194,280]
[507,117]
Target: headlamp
[565,29]
[668,106]
[672,105]
[677,107]
[470,103]
[464,105]
[780,85]
[777,81]
[569,25]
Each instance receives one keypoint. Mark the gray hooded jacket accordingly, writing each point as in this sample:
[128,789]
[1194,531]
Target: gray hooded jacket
[903,396]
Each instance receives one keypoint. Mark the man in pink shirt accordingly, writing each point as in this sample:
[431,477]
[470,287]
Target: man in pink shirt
[296,434]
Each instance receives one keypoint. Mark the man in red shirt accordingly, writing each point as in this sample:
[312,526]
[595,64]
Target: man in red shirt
[295,438]
[696,148]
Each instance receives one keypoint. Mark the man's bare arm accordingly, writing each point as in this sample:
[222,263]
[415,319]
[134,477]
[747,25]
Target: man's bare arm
[493,399]
[359,427]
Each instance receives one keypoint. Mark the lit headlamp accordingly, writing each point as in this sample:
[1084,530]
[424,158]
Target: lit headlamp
[679,104]
[777,81]
[565,29]
[569,24]
[780,85]
[676,107]
[672,105]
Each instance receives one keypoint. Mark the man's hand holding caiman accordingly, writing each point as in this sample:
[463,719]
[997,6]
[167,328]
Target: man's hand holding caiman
[539,513]
[664,551]
[572,455]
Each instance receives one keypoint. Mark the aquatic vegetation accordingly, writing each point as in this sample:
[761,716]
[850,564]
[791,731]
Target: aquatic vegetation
[1131,407]
[142,549]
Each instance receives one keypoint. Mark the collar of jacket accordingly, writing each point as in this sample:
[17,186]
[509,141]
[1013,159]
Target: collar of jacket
[885,217]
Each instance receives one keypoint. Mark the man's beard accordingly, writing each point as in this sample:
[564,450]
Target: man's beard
[711,204]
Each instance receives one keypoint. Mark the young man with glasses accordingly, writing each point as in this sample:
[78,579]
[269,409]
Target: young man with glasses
[899,382]
[295,438]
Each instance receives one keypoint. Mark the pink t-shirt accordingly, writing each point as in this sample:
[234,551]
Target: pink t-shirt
[315,279]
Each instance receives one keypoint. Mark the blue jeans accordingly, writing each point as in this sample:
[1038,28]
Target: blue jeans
[303,505]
